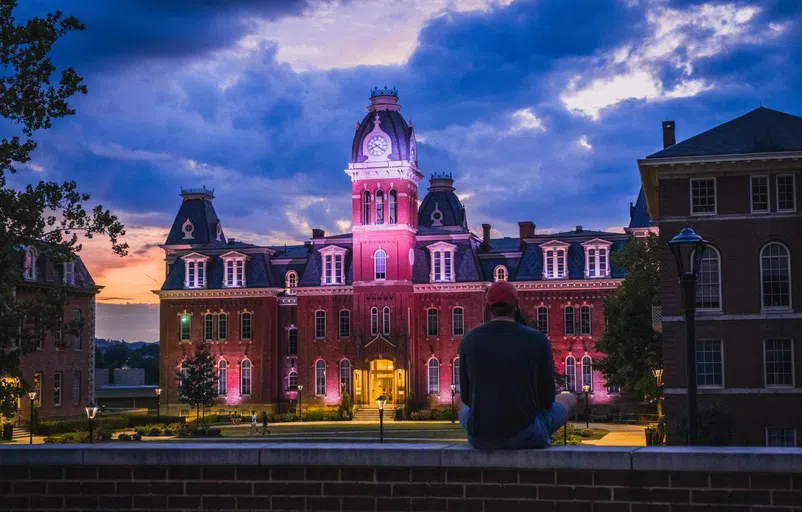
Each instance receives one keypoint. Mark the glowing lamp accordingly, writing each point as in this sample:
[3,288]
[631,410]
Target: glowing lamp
[32,395]
[158,391]
[380,402]
[586,388]
[91,411]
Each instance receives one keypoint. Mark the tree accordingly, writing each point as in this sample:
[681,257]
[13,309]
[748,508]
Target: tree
[632,348]
[46,214]
[197,383]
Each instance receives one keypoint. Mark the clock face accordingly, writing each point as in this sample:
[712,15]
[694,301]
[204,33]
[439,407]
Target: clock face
[377,145]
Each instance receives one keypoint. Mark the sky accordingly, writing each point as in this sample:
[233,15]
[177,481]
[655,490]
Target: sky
[539,108]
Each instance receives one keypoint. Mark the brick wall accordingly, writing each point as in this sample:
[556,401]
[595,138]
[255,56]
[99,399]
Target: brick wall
[397,477]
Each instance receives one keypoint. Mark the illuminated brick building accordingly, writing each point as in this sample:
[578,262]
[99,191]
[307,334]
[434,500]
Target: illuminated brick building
[381,309]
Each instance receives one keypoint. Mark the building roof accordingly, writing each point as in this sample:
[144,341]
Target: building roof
[441,208]
[762,130]
[196,208]
[639,213]
[48,272]
[384,106]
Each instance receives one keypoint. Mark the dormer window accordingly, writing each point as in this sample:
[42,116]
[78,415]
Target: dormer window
[500,274]
[291,281]
[195,275]
[69,273]
[597,258]
[442,263]
[234,269]
[30,264]
[555,260]
[333,259]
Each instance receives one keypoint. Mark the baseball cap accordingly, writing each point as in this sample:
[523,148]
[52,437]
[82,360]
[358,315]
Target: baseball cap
[502,292]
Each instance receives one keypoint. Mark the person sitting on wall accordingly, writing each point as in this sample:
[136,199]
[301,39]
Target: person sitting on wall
[506,377]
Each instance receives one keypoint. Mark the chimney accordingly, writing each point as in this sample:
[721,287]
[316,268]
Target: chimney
[526,229]
[669,135]
[318,233]
[486,233]
[579,229]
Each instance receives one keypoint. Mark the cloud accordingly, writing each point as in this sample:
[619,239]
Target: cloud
[525,120]
[583,141]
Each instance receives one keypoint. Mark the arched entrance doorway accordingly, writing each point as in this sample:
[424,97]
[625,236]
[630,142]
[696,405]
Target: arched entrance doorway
[381,377]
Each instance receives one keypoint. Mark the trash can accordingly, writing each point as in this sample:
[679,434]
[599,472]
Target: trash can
[8,432]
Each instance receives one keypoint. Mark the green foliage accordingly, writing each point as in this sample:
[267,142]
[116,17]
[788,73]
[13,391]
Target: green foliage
[430,415]
[104,432]
[9,391]
[345,411]
[124,437]
[322,415]
[119,354]
[48,215]
[48,428]
[136,437]
[71,438]
[631,346]
[198,385]
[152,419]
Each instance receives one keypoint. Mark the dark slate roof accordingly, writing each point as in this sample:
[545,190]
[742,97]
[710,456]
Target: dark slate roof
[393,124]
[314,267]
[290,251]
[505,244]
[466,264]
[639,213]
[531,265]
[200,212]
[489,265]
[49,272]
[441,197]
[760,131]
[257,274]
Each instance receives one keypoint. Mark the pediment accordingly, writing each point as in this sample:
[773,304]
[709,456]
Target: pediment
[441,246]
[231,255]
[194,256]
[555,244]
[596,242]
[380,340]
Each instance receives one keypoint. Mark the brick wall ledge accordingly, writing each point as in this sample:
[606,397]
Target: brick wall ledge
[735,459]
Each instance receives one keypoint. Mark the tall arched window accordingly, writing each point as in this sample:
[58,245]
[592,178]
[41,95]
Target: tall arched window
[345,376]
[208,326]
[455,375]
[222,377]
[393,207]
[708,286]
[584,321]
[292,381]
[245,378]
[570,325]
[386,321]
[500,273]
[345,323]
[379,207]
[432,320]
[380,264]
[374,321]
[292,280]
[365,207]
[320,324]
[775,276]
[587,372]
[222,326]
[458,321]
[542,324]
[186,327]
[434,375]
[320,377]
[570,373]
[292,341]
[245,326]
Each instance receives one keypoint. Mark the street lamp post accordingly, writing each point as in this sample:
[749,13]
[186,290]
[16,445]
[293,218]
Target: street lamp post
[658,376]
[565,427]
[586,389]
[158,403]
[91,412]
[32,397]
[453,391]
[300,409]
[688,248]
[380,403]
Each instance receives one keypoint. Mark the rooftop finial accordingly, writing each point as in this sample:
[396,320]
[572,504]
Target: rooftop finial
[202,192]
[383,92]
[442,176]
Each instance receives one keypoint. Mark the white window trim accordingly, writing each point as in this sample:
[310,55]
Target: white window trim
[590,320]
[442,248]
[314,324]
[250,377]
[219,380]
[504,270]
[793,368]
[234,257]
[375,270]
[350,376]
[597,244]
[241,320]
[790,305]
[387,315]
[30,276]
[715,197]
[429,378]
[777,192]
[453,310]
[290,289]
[566,366]
[455,375]
[767,435]
[582,372]
[205,317]
[565,324]
[325,377]
[71,266]
[752,194]
[537,313]
[198,260]
[558,248]
[720,294]
[374,326]
[339,323]
[428,335]
[218,325]
[333,251]
[723,369]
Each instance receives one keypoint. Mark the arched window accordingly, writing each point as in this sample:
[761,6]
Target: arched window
[222,377]
[345,323]
[345,376]
[245,378]
[245,326]
[292,280]
[570,373]
[432,320]
[320,324]
[374,321]
[186,327]
[379,207]
[500,273]
[208,326]
[458,321]
[393,208]
[585,328]
[380,264]
[708,286]
[30,263]
[587,372]
[775,276]
[365,207]
[434,375]
[292,381]
[292,341]
[570,326]
[386,321]
[320,377]
[222,326]
[542,319]
[455,375]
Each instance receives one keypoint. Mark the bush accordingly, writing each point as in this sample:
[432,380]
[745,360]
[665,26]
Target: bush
[200,432]
[124,437]
[104,433]
[321,415]
[136,437]
[585,433]
[345,411]
[49,428]
[155,431]
[71,438]
[140,431]
[150,419]
[574,438]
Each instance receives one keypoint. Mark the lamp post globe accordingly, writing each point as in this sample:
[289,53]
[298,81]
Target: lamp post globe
[380,402]
[300,409]
[91,412]
[32,397]
[586,389]
[453,392]
[158,403]
[688,249]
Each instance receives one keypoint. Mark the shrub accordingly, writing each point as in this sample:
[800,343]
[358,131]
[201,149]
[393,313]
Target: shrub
[71,438]
[585,433]
[140,432]
[155,431]
[136,437]
[49,428]
[124,437]
[345,411]
[104,433]
[150,419]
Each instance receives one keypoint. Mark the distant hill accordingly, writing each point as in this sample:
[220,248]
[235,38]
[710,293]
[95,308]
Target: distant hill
[104,344]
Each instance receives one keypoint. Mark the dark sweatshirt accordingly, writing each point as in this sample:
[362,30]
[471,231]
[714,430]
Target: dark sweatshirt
[506,377]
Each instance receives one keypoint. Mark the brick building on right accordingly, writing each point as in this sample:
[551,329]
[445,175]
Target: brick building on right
[736,185]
